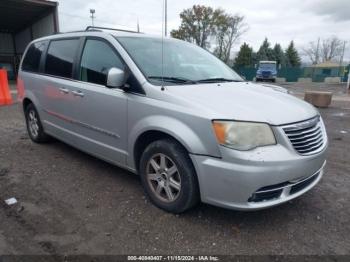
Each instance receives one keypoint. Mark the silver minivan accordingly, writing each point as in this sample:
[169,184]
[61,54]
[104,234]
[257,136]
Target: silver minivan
[173,113]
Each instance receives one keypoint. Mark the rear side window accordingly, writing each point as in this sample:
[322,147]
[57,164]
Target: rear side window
[60,57]
[31,61]
[98,57]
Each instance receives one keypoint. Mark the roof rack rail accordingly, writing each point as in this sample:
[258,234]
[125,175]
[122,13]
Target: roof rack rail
[75,31]
[99,28]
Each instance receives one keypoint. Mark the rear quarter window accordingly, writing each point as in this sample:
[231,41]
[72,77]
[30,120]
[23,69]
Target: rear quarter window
[60,57]
[31,61]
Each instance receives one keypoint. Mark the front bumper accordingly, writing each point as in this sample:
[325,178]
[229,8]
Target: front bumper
[239,178]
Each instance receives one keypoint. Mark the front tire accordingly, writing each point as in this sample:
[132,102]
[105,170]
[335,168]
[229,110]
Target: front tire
[168,176]
[34,126]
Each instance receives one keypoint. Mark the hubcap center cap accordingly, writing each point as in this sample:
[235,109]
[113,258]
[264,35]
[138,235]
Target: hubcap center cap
[164,176]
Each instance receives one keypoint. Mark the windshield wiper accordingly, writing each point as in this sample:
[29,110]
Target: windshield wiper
[217,79]
[172,79]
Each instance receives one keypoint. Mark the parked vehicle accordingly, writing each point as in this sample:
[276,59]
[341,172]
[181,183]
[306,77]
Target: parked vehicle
[181,119]
[267,71]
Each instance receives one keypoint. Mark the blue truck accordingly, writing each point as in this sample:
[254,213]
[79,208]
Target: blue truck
[267,71]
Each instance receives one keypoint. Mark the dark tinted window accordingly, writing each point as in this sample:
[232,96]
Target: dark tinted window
[98,57]
[60,57]
[31,61]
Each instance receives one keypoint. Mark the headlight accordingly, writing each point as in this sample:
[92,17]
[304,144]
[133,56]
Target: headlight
[243,135]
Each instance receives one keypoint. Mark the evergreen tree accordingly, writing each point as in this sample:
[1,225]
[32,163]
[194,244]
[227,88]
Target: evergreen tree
[292,56]
[279,55]
[255,60]
[244,56]
[265,52]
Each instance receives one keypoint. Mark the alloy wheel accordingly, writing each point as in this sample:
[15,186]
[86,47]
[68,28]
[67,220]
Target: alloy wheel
[163,177]
[33,123]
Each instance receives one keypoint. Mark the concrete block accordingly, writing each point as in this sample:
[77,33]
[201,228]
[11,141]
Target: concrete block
[334,80]
[318,98]
[304,80]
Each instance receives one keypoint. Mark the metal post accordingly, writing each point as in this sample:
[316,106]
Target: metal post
[342,54]
[318,51]
[165,17]
[317,58]
[92,12]
[341,59]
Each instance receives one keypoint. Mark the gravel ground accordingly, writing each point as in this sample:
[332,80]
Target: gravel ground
[72,203]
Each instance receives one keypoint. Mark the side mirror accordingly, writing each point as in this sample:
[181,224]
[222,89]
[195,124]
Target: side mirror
[115,78]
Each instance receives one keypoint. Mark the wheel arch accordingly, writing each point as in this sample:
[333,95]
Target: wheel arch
[26,101]
[146,138]
[151,128]
[30,98]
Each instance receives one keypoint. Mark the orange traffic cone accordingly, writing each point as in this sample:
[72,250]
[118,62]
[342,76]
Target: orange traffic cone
[5,95]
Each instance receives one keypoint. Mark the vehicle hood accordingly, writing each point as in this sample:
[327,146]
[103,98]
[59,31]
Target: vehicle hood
[245,101]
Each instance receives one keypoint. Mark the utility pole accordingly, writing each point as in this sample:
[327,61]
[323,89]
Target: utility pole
[317,57]
[341,58]
[318,51]
[342,55]
[92,12]
[138,26]
[165,17]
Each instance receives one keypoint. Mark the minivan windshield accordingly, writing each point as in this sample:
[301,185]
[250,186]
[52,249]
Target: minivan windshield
[184,63]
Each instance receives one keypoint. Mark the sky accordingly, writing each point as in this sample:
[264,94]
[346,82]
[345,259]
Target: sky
[280,21]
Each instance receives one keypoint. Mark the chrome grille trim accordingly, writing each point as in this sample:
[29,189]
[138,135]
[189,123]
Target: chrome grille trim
[308,131]
[307,137]
[297,142]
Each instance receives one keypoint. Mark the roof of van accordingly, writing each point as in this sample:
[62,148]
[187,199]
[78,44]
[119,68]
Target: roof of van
[97,33]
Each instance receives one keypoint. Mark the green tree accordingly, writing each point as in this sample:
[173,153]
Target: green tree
[292,56]
[265,52]
[279,55]
[244,56]
[201,25]
[197,24]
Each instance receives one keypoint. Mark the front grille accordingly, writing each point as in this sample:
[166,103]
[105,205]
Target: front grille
[266,73]
[306,137]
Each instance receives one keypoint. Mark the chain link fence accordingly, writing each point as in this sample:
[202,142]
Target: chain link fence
[292,74]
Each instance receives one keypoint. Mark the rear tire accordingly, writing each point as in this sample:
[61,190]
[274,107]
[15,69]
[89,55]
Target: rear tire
[34,126]
[168,176]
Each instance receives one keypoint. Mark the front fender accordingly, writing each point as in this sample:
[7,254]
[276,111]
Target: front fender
[181,131]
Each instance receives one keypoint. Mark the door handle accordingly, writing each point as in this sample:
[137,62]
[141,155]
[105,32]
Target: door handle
[78,93]
[64,90]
